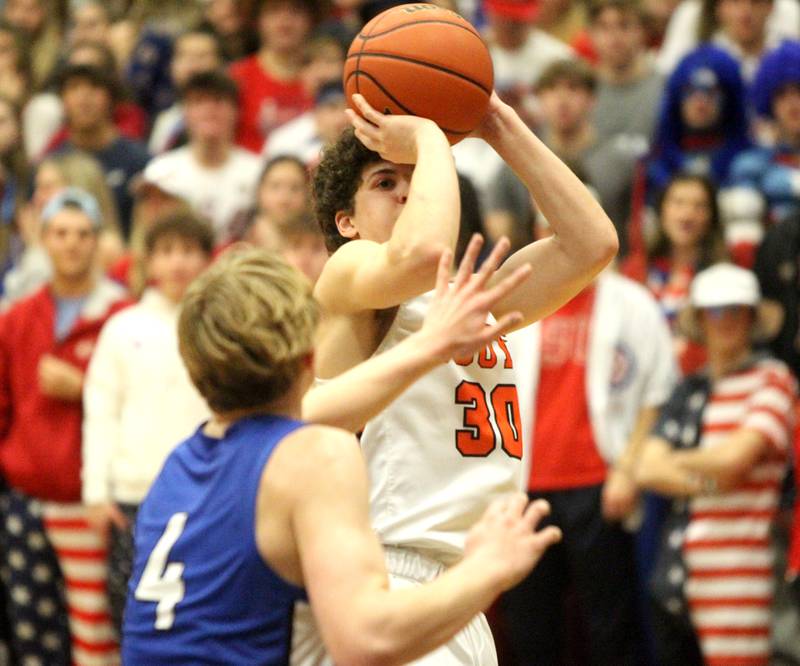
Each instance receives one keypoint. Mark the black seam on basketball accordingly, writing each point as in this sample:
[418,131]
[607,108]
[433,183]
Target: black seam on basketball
[391,56]
[363,43]
[356,72]
[388,31]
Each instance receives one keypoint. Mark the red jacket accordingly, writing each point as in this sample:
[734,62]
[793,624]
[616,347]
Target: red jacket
[40,437]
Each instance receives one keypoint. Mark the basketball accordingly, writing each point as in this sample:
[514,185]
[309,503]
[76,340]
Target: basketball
[422,60]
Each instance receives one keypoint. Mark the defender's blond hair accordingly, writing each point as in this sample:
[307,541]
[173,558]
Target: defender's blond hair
[245,326]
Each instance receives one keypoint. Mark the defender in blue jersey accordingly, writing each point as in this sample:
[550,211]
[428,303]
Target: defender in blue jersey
[258,509]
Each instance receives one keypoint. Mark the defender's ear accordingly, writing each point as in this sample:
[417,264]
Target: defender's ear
[344,223]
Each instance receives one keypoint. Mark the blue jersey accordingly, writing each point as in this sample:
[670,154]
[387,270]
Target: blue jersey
[200,592]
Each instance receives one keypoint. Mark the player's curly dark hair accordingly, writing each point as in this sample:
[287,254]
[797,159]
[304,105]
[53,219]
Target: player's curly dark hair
[336,181]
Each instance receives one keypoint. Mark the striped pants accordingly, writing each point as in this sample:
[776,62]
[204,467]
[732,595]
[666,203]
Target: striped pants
[54,571]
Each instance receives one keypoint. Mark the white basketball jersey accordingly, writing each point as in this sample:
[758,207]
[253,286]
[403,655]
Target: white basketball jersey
[445,448]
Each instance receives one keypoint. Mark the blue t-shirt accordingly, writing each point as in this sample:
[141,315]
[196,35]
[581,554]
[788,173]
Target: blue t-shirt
[67,312]
[200,593]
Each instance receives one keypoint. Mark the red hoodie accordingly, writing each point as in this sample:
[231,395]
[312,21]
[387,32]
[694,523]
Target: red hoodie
[40,437]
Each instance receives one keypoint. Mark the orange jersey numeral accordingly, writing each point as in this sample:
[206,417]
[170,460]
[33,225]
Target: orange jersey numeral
[477,438]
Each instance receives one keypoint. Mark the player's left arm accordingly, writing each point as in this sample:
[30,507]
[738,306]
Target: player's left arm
[454,327]
[584,240]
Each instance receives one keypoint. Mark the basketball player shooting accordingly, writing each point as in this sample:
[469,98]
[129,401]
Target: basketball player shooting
[387,199]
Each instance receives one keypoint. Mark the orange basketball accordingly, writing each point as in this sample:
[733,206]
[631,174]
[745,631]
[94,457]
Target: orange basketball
[422,60]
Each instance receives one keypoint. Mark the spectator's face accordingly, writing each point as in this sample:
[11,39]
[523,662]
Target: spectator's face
[307,253]
[86,104]
[659,11]
[331,120]
[174,263]
[48,181]
[508,33]
[224,15]
[566,106]
[744,21]
[89,23]
[195,53]
[686,214]
[9,129]
[71,243]
[210,116]
[727,329]
[25,15]
[283,192]
[618,37]
[786,108]
[700,109]
[283,26]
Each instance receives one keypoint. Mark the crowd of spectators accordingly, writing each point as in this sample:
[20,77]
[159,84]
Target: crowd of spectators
[141,138]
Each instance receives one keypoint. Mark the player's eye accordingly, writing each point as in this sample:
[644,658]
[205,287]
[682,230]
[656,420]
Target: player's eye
[386,183]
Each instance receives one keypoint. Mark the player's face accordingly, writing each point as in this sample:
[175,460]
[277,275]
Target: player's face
[686,214]
[71,244]
[378,202]
[174,263]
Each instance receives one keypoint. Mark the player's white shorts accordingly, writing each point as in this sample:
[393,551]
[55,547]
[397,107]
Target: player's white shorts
[472,646]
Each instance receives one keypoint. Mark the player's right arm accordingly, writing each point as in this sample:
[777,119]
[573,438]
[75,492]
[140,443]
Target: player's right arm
[367,275]
[337,557]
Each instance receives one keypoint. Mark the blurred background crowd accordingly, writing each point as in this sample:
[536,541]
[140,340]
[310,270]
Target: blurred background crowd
[141,138]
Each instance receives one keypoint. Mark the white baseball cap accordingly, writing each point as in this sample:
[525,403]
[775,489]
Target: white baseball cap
[726,284]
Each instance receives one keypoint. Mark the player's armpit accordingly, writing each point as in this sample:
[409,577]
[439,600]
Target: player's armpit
[363,275]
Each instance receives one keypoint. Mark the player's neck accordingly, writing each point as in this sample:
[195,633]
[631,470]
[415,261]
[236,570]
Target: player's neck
[288,406]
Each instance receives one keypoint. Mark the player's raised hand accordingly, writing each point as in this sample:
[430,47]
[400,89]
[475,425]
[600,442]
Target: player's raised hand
[458,315]
[490,125]
[395,138]
[505,540]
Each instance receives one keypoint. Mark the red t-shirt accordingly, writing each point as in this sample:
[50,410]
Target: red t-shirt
[264,102]
[564,451]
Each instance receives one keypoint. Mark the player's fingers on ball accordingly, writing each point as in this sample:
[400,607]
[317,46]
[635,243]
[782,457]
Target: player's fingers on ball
[368,112]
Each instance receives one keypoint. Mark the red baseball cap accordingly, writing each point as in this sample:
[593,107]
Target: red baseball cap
[517,10]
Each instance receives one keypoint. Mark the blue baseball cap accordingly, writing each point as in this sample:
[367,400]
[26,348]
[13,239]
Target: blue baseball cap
[73,197]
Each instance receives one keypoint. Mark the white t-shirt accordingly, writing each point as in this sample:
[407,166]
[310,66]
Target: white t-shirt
[298,138]
[223,194]
[524,66]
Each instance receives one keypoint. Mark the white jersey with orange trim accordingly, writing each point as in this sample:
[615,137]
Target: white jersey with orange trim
[445,448]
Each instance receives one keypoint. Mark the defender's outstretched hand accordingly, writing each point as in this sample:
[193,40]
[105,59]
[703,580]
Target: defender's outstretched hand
[395,138]
[505,540]
[457,318]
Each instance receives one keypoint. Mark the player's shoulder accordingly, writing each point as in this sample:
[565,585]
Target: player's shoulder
[323,443]
[339,273]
